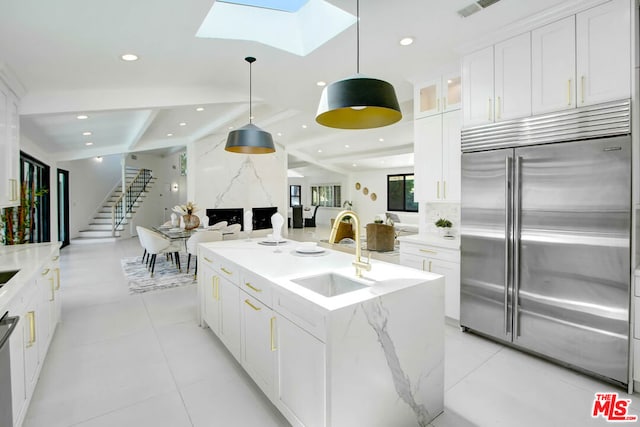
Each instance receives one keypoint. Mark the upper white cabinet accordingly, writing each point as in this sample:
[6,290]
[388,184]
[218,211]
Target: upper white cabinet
[579,60]
[437,157]
[603,53]
[553,66]
[438,95]
[513,78]
[9,147]
[477,87]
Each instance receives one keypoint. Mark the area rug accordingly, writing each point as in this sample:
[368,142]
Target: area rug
[165,276]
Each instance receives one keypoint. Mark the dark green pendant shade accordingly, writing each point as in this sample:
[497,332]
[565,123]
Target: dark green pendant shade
[250,139]
[358,102]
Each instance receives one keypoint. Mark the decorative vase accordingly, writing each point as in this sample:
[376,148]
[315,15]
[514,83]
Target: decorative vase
[190,221]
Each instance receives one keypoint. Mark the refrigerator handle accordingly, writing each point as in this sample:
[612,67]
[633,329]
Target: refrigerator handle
[516,244]
[507,238]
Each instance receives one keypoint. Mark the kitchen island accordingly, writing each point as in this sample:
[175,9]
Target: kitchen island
[326,347]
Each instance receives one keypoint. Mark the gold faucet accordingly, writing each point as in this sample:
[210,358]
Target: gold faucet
[358,263]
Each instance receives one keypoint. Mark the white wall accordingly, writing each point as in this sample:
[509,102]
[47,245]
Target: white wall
[375,181]
[90,182]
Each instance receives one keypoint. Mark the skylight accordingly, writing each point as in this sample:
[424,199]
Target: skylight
[300,32]
[283,5]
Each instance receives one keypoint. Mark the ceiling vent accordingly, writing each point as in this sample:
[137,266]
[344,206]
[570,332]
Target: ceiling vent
[475,7]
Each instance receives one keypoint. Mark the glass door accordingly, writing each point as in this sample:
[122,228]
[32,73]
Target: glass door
[63,207]
[35,191]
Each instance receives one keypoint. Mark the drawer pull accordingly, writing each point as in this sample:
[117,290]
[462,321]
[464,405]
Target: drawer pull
[273,335]
[31,315]
[428,251]
[215,281]
[58,275]
[224,270]
[55,258]
[248,285]
[208,260]
[44,273]
[251,305]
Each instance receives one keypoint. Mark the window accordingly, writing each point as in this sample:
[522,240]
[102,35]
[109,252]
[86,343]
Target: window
[400,193]
[294,195]
[326,195]
[35,180]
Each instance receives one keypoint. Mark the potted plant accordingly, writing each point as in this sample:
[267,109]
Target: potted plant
[444,225]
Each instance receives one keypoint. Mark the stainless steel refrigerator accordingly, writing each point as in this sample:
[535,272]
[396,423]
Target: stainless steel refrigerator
[545,236]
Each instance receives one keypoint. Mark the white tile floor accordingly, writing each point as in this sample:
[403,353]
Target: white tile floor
[141,360]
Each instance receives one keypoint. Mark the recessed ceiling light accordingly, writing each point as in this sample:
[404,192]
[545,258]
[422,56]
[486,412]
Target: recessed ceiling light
[381,139]
[88,143]
[321,83]
[279,134]
[406,41]
[98,159]
[354,165]
[319,150]
[182,124]
[129,57]
[200,109]
[169,134]
[86,133]
[346,145]
[230,127]
[449,81]
[304,126]
[82,117]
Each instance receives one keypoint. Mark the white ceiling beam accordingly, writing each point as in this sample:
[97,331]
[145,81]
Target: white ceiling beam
[372,154]
[140,131]
[316,162]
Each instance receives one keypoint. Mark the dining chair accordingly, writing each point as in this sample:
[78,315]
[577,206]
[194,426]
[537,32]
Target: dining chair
[217,226]
[311,222]
[200,237]
[155,244]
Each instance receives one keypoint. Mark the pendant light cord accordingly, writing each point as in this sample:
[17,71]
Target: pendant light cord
[250,96]
[357,36]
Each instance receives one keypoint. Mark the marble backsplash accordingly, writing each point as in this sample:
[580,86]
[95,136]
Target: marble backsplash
[434,211]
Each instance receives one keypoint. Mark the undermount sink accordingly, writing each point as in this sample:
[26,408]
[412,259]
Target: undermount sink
[5,276]
[329,284]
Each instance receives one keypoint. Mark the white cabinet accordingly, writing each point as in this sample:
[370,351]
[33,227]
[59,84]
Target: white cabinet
[553,66]
[603,53]
[258,342]
[497,82]
[513,78]
[437,96]
[301,386]
[9,148]
[477,87]
[444,261]
[437,157]
[220,307]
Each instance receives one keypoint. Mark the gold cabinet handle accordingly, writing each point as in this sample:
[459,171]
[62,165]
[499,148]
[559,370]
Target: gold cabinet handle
[423,261]
[499,114]
[45,272]
[438,189]
[569,92]
[224,270]
[31,315]
[428,251]
[215,283]
[58,281]
[489,110]
[53,289]
[438,104]
[273,335]
[430,266]
[251,305]
[248,285]
[55,258]
[208,260]
[582,89]
[444,189]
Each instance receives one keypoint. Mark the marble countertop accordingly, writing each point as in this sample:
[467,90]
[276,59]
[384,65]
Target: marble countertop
[27,258]
[432,239]
[284,267]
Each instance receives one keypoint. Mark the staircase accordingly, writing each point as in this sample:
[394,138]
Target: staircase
[100,227]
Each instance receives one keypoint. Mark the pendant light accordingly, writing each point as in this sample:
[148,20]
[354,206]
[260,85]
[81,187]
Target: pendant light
[250,139]
[358,102]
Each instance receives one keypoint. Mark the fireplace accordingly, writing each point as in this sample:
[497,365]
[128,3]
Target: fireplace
[231,215]
[262,217]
